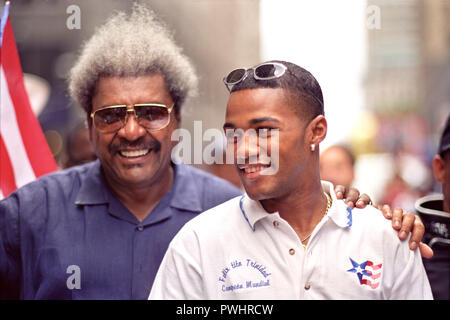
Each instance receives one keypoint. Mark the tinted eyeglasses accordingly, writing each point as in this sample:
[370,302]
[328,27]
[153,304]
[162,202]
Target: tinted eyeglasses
[151,116]
[263,71]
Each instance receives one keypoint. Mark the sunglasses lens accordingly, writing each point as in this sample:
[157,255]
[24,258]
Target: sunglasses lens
[235,76]
[109,119]
[269,71]
[152,117]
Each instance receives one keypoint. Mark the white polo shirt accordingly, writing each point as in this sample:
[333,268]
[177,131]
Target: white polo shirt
[237,250]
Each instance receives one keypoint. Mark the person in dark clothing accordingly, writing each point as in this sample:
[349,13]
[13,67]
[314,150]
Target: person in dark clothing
[434,210]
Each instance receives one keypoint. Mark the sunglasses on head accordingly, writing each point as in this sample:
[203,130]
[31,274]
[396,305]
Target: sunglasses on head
[151,116]
[263,71]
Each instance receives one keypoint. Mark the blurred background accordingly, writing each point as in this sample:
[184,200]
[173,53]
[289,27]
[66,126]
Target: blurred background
[384,68]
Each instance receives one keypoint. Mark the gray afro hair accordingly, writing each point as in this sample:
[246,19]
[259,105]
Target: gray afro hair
[134,45]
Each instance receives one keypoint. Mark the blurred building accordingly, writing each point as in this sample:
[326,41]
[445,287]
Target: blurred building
[407,93]
[408,66]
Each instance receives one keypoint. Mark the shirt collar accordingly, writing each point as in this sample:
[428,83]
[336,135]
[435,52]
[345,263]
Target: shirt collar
[432,204]
[184,193]
[252,210]
[339,212]
[92,190]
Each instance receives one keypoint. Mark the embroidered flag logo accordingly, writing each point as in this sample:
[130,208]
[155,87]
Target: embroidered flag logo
[368,273]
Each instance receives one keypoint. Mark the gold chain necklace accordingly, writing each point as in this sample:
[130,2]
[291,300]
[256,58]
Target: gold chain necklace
[329,202]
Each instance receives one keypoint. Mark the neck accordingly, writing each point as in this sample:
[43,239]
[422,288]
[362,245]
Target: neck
[142,199]
[302,209]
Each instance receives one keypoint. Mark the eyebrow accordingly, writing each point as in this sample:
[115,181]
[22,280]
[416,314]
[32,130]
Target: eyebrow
[264,119]
[252,122]
[228,125]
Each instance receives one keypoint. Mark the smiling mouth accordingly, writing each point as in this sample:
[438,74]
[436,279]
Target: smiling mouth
[134,153]
[248,169]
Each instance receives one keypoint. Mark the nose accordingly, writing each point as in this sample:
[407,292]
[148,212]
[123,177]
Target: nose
[131,130]
[247,148]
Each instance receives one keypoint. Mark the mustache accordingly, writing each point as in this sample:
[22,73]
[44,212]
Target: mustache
[137,144]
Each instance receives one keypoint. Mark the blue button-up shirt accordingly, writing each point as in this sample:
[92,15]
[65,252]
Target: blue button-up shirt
[66,236]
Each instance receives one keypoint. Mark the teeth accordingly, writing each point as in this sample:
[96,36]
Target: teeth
[253,169]
[134,153]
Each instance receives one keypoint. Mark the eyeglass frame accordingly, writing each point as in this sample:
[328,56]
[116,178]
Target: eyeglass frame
[227,84]
[129,109]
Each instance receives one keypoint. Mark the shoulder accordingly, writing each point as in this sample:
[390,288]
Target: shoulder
[369,216]
[67,176]
[59,184]
[373,234]
[371,223]
[33,205]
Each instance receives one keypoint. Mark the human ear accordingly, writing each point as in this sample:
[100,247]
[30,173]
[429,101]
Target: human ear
[317,129]
[439,169]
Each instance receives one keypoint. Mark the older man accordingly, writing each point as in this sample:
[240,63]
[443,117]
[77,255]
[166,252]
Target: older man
[100,230]
[286,238]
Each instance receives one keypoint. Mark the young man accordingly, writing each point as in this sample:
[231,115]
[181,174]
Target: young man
[285,238]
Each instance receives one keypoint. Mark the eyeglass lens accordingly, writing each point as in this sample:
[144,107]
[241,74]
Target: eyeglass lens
[235,76]
[268,71]
[148,116]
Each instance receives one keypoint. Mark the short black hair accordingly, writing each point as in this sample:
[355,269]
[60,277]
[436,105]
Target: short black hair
[445,155]
[300,83]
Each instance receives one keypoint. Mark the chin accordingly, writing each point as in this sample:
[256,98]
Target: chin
[136,175]
[258,194]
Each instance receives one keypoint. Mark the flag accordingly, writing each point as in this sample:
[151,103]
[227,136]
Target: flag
[367,277]
[24,152]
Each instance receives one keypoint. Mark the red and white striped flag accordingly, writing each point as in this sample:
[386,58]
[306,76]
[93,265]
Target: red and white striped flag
[24,152]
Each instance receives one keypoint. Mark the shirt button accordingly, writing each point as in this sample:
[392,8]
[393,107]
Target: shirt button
[291,252]
[276,224]
[140,228]
[307,286]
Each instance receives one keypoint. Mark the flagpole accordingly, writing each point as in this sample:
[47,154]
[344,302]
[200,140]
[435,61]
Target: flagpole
[3,19]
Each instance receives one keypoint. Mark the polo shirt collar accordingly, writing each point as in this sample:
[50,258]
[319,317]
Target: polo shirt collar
[252,210]
[183,195]
[339,212]
[186,194]
[92,190]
